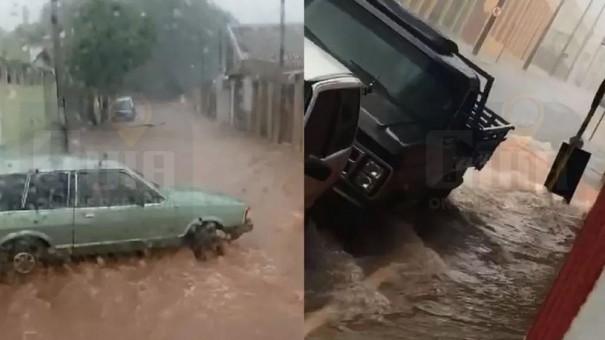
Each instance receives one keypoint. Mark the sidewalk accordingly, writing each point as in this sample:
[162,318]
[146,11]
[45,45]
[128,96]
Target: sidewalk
[43,142]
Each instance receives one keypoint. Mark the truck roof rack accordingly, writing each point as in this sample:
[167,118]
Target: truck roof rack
[432,38]
[412,23]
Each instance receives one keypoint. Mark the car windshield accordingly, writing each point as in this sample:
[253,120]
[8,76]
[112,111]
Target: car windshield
[380,56]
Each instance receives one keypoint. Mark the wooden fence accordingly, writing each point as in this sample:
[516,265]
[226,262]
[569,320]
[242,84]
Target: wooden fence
[253,104]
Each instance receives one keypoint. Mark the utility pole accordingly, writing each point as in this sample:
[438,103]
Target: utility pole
[597,126]
[573,33]
[592,60]
[532,55]
[584,42]
[282,62]
[58,58]
[282,34]
[487,28]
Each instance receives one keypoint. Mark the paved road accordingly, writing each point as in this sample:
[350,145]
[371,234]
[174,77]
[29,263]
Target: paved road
[255,292]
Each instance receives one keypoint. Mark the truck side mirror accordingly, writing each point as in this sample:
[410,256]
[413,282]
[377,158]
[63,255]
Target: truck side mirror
[317,168]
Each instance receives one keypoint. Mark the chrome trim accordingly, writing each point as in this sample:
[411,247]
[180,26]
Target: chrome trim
[342,82]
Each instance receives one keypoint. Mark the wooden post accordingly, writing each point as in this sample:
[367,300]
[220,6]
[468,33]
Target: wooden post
[231,102]
[261,112]
[277,112]
[298,115]
[270,109]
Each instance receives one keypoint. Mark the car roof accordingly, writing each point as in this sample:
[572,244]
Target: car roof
[50,163]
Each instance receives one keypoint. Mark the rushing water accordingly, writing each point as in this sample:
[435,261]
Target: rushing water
[475,268]
[170,295]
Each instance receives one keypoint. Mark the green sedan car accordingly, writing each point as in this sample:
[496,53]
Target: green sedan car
[56,206]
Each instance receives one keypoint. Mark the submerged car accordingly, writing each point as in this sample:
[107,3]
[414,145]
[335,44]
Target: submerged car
[124,110]
[56,206]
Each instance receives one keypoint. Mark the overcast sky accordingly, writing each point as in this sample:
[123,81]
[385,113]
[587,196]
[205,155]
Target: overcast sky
[247,11]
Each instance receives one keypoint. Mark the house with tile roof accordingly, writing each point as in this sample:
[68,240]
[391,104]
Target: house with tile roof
[252,81]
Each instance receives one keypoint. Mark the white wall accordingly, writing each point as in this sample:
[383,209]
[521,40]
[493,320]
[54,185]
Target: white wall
[590,322]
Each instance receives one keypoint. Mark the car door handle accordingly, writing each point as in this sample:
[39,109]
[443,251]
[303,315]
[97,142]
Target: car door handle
[89,215]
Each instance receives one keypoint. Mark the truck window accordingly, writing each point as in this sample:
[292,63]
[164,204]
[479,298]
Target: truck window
[369,48]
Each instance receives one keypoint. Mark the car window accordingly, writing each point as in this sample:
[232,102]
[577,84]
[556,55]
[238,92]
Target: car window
[48,191]
[107,188]
[11,191]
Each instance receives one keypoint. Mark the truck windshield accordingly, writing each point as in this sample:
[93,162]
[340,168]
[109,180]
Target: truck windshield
[376,53]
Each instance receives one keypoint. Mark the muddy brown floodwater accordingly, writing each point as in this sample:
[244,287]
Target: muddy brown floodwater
[475,268]
[254,292]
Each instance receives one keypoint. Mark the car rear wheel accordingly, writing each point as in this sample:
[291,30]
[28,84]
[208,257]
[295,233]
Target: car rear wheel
[208,241]
[23,256]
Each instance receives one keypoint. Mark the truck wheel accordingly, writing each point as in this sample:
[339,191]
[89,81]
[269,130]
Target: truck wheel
[435,196]
[24,255]
[208,241]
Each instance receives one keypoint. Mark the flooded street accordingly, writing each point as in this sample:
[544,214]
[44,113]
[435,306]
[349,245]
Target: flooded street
[171,295]
[476,267]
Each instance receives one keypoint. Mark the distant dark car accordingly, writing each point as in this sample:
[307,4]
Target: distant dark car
[124,110]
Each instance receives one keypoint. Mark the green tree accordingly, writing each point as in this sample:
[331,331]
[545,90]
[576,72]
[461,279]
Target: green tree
[186,51]
[110,39]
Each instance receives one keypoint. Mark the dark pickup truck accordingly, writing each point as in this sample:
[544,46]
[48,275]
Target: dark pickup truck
[425,121]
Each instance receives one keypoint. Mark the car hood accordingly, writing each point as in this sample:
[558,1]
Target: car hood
[190,196]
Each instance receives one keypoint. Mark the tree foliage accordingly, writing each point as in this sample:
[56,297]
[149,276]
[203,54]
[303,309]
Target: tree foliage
[186,51]
[108,39]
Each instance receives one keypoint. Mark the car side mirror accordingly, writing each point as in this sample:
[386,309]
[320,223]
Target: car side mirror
[317,168]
